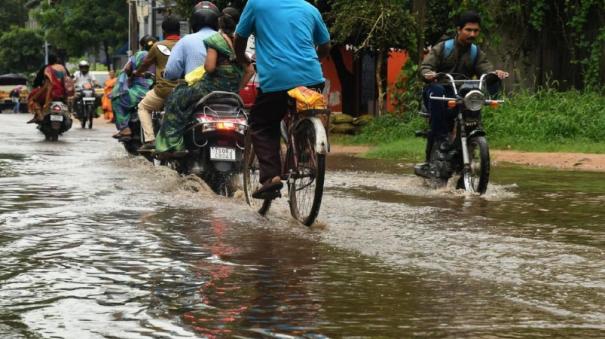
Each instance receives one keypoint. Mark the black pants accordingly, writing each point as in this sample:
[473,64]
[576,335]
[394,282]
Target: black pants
[265,117]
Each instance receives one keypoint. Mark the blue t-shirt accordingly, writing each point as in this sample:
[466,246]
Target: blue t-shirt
[286,33]
[188,54]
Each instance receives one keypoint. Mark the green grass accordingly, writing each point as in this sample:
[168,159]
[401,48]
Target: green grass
[546,121]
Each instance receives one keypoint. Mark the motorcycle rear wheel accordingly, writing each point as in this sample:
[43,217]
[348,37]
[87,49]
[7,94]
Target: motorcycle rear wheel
[476,179]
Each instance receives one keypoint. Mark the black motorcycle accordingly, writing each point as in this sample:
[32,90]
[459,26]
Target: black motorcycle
[86,105]
[56,121]
[467,152]
[214,141]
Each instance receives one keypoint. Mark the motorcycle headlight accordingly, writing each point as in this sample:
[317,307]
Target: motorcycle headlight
[474,100]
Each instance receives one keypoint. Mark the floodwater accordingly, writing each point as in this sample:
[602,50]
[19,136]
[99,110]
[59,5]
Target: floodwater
[97,244]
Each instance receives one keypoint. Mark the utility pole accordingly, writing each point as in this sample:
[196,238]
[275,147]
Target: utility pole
[46,42]
[133,26]
[152,19]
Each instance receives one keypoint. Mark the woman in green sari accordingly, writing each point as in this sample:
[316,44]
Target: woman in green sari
[223,73]
[130,90]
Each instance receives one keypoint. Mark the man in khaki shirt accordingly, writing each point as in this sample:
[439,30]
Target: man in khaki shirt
[158,57]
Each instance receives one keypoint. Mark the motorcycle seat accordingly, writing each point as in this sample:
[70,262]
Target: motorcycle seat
[222,103]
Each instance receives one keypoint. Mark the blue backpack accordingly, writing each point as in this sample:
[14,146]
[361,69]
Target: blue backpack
[449,48]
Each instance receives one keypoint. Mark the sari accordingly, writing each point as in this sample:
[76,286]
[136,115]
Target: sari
[52,89]
[180,105]
[127,92]
[106,100]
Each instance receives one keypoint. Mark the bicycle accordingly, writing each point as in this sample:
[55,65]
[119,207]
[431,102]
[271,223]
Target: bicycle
[303,163]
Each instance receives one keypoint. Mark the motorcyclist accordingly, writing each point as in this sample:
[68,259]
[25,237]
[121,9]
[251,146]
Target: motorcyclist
[190,52]
[83,76]
[287,33]
[158,57]
[464,58]
[223,73]
[82,79]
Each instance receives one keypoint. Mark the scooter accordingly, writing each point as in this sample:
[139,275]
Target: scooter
[56,121]
[214,142]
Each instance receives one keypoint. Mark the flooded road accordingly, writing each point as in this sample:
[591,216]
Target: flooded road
[96,244]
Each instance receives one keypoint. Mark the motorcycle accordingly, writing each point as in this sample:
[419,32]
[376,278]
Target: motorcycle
[56,121]
[468,151]
[214,141]
[86,105]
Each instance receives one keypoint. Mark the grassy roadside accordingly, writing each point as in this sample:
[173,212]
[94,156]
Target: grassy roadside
[547,121]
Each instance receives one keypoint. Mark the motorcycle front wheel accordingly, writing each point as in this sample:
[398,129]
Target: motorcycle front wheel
[476,176]
[90,116]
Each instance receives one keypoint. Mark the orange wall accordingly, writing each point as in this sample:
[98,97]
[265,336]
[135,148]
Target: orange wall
[395,64]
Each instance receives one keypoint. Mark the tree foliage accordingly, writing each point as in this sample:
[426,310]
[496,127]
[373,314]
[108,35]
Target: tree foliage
[12,12]
[21,50]
[85,26]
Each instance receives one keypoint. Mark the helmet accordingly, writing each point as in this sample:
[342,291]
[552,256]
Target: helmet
[83,63]
[205,14]
[147,42]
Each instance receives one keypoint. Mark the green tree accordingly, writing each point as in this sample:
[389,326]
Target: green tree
[21,50]
[80,27]
[374,26]
[12,12]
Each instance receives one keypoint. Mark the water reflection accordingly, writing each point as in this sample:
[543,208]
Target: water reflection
[122,249]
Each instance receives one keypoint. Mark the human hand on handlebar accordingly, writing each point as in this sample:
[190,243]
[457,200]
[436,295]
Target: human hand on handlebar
[501,74]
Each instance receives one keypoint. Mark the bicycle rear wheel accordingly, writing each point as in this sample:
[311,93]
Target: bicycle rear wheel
[251,176]
[306,180]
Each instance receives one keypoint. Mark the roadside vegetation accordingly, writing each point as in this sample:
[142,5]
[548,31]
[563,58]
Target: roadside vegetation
[544,121]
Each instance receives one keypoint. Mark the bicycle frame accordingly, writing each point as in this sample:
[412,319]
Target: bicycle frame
[322,145]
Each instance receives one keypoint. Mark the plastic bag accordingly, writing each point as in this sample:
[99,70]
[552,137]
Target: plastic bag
[307,99]
[195,76]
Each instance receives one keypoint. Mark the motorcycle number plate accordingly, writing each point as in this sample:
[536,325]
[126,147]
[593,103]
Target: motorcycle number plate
[222,153]
[56,118]
[89,99]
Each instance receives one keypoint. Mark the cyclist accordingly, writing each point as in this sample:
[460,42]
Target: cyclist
[460,57]
[286,58]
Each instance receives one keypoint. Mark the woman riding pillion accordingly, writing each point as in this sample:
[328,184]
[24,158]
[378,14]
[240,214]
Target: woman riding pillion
[129,90]
[52,89]
[222,73]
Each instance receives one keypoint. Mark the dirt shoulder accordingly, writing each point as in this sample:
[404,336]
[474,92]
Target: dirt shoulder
[562,161]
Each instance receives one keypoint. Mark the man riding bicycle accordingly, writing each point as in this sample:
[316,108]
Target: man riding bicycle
[457,56]
[287,33]
[154,99]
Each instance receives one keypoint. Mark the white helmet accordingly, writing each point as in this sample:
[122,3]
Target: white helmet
[83,63]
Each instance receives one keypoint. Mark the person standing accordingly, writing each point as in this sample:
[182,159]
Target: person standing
[106,100]
[291,38]
[15,95]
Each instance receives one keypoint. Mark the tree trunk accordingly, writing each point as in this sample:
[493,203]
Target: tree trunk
[107,56]
[346,80]
[380,83]
[419,7]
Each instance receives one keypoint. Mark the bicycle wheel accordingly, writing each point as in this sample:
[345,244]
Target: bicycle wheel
[251,174]
[476,179]
[306,181]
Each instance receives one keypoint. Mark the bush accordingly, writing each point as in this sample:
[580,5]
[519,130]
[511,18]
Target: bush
[548,116]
